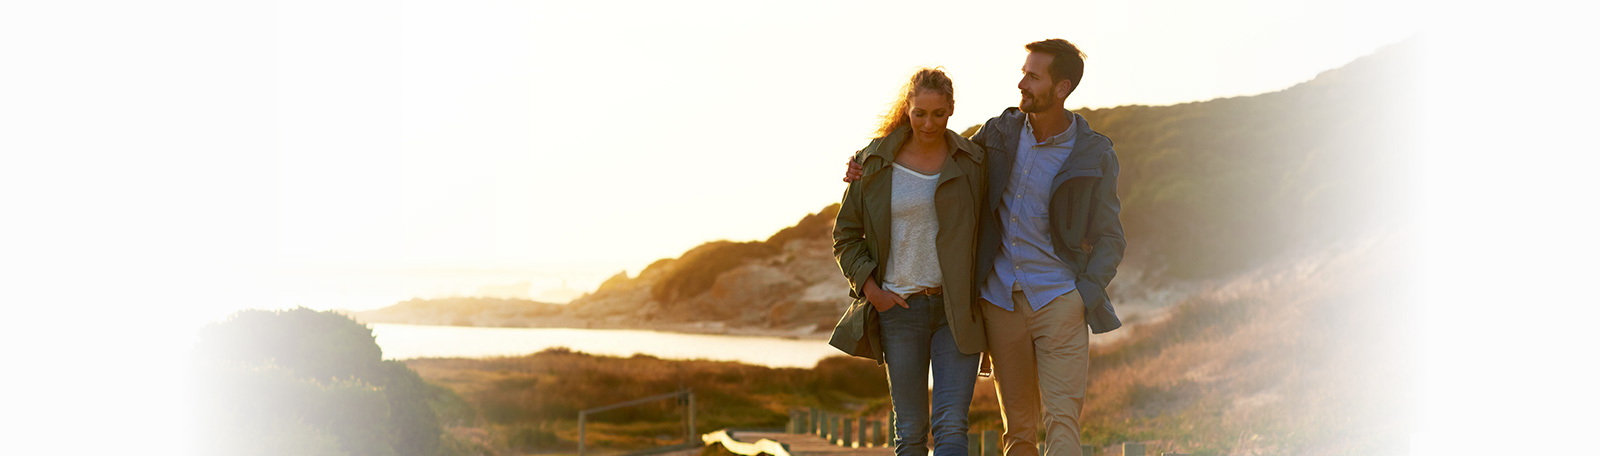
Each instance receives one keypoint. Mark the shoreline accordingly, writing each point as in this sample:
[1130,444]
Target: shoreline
[716,328]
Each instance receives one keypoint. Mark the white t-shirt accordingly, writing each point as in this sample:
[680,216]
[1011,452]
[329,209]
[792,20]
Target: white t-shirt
[913,227]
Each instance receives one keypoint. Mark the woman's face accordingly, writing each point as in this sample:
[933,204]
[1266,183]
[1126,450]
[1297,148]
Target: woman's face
[929,112]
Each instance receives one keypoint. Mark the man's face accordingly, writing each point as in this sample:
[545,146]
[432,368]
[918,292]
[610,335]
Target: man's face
[1038,94]
[929,112]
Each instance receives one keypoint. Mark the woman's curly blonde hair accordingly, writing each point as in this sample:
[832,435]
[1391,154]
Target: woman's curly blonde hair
[924,79]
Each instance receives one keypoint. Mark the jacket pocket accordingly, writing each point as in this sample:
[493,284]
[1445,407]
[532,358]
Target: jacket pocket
[1070,204]
[851,334]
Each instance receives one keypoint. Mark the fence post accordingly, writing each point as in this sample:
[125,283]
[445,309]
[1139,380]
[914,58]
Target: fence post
[816,425]
[848,432]
[991,443]
[689,437]
[974,444]
[878,436]
[826,434]
[838,429]
[861,432]
[581,419]
[1132,449]
[833,429]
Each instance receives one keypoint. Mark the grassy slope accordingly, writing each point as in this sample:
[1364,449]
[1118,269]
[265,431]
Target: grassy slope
[1213,188]
[1302,357]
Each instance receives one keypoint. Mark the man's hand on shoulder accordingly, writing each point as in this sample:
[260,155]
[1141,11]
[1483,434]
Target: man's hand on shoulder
[852,171]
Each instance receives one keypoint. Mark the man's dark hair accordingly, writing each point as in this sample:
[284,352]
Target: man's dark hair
[1068,61]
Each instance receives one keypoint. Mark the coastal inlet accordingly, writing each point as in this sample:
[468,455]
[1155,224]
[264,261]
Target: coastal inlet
[418,341]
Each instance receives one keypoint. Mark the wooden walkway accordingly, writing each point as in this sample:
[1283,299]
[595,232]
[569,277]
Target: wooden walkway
[751,443]
[814,432]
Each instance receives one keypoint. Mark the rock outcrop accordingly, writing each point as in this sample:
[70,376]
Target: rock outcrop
[788,282]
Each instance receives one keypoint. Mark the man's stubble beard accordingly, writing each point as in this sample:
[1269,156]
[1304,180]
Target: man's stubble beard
[1031,104]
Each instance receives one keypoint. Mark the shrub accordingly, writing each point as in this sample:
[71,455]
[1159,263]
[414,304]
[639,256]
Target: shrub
[307,382]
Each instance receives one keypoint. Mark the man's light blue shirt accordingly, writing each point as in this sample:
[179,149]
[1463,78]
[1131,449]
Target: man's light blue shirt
[1027,260]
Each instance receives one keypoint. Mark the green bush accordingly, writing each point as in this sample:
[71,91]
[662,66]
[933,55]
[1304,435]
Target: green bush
[306,382]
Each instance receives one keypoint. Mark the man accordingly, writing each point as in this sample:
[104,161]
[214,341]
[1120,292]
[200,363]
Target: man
[1049,242]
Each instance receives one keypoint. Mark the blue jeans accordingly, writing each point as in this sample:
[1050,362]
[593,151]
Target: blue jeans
[912,339]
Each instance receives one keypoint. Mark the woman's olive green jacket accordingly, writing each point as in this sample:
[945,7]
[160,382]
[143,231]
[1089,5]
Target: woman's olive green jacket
[861,241]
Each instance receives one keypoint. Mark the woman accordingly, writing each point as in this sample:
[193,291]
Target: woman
[905,239]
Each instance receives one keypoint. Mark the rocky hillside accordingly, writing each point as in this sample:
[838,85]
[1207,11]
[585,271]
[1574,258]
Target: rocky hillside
[787,282]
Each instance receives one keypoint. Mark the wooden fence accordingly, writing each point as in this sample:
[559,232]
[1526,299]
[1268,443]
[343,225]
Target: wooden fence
[853,432]
[684,396]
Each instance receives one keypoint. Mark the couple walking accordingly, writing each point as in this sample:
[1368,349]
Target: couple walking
[1002,244]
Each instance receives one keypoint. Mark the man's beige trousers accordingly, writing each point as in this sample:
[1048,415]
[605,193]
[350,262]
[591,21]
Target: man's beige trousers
[1039,353]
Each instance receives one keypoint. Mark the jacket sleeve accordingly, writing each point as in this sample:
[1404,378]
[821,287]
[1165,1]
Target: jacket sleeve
[982,135]
[850,242]
[1105,235]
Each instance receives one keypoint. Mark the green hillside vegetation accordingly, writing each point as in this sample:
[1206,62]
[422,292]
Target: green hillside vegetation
[314,383]
[1211,188]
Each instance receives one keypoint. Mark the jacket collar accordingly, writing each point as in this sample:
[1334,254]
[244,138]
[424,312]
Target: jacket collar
[1086,140]
[881,152]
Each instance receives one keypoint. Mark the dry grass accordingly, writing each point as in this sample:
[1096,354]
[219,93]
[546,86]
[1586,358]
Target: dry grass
[1305,357]
[532,402]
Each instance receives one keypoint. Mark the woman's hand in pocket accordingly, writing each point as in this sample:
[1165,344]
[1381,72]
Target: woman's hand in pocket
[881,299]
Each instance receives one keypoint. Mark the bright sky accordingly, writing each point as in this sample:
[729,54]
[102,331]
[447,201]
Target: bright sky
[354,154]
[573,140]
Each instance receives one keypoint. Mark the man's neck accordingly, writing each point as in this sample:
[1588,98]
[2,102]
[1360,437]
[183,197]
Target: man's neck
[1049,123]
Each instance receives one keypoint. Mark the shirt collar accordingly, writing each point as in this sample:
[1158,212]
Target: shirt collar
[1057,140]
